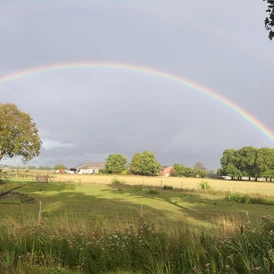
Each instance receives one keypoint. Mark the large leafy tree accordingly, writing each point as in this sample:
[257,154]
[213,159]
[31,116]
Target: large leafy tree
[149,165]
[178,170]
[247,159]
[264,163]
[135,165]
[116,163]
[18,134]
[230,164]
[269,21]
[145,164]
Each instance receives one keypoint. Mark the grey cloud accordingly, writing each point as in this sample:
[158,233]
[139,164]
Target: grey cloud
[218,45]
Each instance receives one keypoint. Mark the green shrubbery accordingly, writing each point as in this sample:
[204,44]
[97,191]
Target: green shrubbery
[146,248]
[153,191]
[205,185]
[117,182]
[167,187]
[248,199]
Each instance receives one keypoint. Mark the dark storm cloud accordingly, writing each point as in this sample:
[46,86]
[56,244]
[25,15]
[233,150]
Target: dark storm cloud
[85,114]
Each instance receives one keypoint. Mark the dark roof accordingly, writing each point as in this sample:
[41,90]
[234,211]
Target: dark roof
[92,165]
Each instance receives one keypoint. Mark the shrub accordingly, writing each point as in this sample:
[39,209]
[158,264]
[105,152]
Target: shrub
[167,187]
[70,187]
[153,191]
[205,185]
[247,199]
[117,182]
[124,172]
[102,171]
[238,197]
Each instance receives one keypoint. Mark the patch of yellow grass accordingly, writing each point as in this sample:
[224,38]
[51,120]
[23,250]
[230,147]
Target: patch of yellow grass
[251,187]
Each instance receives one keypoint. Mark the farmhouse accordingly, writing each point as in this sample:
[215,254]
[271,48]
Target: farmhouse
[89,168]
[166,171]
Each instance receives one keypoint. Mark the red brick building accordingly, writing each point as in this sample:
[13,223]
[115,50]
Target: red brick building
[166,171]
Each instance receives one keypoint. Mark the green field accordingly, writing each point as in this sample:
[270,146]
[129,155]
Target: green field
[75,204]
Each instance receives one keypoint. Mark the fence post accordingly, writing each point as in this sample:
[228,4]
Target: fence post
[247,216]
[141,212]
[40,213]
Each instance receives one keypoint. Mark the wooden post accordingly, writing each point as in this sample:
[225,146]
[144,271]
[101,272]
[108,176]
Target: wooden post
[141,212]
[40,213]
[247,216]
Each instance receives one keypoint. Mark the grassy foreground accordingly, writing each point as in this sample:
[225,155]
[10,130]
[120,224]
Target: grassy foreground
[97,228]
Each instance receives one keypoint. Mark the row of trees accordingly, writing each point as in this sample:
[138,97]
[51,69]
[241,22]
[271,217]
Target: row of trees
[143,163]
[248,162]
[146,164]
[198,171]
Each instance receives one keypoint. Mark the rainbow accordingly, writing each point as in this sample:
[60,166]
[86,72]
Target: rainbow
[134,68]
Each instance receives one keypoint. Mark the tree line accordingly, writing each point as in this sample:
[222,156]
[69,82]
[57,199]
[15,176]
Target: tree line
[145,163]
[142,163]
[248,162]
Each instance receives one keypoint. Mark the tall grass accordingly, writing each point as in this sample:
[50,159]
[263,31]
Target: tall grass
[142,247]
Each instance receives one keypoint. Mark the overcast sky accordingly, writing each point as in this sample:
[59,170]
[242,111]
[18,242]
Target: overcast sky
[85,114]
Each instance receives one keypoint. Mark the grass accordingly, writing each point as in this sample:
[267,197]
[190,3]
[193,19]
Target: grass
[90,227]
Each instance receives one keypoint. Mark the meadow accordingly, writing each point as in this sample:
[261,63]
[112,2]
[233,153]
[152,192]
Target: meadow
[134,224]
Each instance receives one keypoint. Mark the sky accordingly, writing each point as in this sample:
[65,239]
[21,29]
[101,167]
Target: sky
[85,114]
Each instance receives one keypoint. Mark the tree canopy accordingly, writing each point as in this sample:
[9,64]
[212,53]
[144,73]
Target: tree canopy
[269,21]
[116,163]
[248,161]
[178,170]
[145,164]
[59,167]
[18,134]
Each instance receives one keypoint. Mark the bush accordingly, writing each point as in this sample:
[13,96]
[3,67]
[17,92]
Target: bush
[153,191]
[117,182]
[70,187]
[167,187]
[247,199]
[124,172]
[102,171]
[205,185]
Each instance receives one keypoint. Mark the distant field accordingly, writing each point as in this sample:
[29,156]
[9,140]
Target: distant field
[90,198]
[263,188]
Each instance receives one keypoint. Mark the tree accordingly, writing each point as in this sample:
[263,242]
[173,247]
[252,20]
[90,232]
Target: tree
[200,166]
[59,167]
[230,163]
[269,21]
[199,170]
[18,134]
[189,172]
[264,163]
[145,164]
[247,160]
[116,163]
[135,165]
[149,165]
[178,170]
